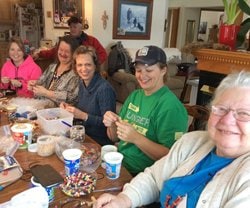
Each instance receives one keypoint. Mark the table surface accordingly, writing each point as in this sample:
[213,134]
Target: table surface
[26,159]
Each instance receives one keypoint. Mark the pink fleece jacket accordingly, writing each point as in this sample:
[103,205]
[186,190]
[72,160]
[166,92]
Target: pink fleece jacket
[26,71]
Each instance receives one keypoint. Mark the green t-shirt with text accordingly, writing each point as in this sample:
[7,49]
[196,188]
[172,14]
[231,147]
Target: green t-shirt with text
[160,117]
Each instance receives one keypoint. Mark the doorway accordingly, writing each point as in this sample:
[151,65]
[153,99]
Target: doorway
[172,28]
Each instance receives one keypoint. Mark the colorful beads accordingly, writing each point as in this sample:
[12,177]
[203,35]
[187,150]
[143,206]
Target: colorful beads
[78,184]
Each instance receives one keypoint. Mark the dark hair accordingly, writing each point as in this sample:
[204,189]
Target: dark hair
[69,40]
[162,66]
[74,20]
[19,42]
[86,50]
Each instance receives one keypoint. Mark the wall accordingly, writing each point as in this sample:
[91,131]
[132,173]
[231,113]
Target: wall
[195,3]
[93,12]
[190,9]
[187,14]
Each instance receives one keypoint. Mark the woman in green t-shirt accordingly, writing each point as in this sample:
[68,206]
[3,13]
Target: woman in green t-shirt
[151,119]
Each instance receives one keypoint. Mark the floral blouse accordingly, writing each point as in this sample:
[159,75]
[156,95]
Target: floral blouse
[65,87]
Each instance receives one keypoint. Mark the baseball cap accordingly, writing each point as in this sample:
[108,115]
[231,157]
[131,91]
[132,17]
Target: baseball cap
[150,55]
[74,20]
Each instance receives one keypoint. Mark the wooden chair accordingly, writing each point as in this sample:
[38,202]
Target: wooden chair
[199,114]
[189,71]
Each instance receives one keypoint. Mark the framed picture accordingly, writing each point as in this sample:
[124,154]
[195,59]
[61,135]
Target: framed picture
[203,28]
[64,9]
[190,31]
[132,19]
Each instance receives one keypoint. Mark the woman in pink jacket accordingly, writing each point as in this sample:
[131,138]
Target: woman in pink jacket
[19,69]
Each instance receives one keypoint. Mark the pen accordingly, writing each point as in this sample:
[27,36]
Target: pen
[67,124]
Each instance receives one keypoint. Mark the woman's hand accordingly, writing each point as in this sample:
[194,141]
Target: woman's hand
[126,131]
[64,105]
[110,118]
[5,80]
[31,84]
[15,83]
[111,201]
[40,91]
[75,111]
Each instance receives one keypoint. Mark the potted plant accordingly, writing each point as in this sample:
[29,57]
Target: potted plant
[245,25]
[228,30]
[231,10]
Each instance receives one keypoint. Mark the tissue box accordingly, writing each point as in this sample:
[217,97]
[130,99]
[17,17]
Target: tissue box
[52,120]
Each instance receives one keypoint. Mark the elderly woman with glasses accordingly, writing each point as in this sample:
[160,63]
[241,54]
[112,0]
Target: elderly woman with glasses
[204,168]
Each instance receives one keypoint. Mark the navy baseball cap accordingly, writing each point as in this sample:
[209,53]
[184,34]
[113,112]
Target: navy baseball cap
[150,55]
[74,20]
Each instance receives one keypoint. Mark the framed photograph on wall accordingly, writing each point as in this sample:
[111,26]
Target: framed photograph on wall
[132,19]
[64,9]
[203,28]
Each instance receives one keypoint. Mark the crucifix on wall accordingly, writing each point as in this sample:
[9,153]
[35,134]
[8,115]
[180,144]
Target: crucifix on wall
[105,17]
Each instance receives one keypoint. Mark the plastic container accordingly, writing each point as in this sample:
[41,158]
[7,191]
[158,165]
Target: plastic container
[22,133]
[52,120]
[45,145]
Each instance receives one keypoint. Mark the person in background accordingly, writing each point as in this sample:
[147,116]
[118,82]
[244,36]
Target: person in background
[19,69]
[152,118]
[203,168]
[75,27]
[59,83]
[95,97]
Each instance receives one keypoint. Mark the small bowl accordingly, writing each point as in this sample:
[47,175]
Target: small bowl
[11,108]
[79,184]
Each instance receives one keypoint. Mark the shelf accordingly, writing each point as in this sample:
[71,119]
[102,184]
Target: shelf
[223,62]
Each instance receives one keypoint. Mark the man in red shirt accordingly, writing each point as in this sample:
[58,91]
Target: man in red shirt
[75,27]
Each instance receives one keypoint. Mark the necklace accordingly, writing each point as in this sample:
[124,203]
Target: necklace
[56,77]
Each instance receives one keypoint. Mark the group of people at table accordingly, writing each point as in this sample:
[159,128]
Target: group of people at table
[177,169]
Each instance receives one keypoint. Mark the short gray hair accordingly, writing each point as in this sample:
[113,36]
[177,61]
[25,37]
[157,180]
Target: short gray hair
[236,79]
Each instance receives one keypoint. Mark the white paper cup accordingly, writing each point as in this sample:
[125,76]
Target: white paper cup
[71,160]
[113,162]
[107,148]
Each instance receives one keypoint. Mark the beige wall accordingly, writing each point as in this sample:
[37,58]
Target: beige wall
[93,12]
[195,3]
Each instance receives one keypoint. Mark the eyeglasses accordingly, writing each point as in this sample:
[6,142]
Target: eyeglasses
[239,114]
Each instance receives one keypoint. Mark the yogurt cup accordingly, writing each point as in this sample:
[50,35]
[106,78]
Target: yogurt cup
[22,133]
[72,160]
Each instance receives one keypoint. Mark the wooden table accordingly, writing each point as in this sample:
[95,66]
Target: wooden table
[26,158]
